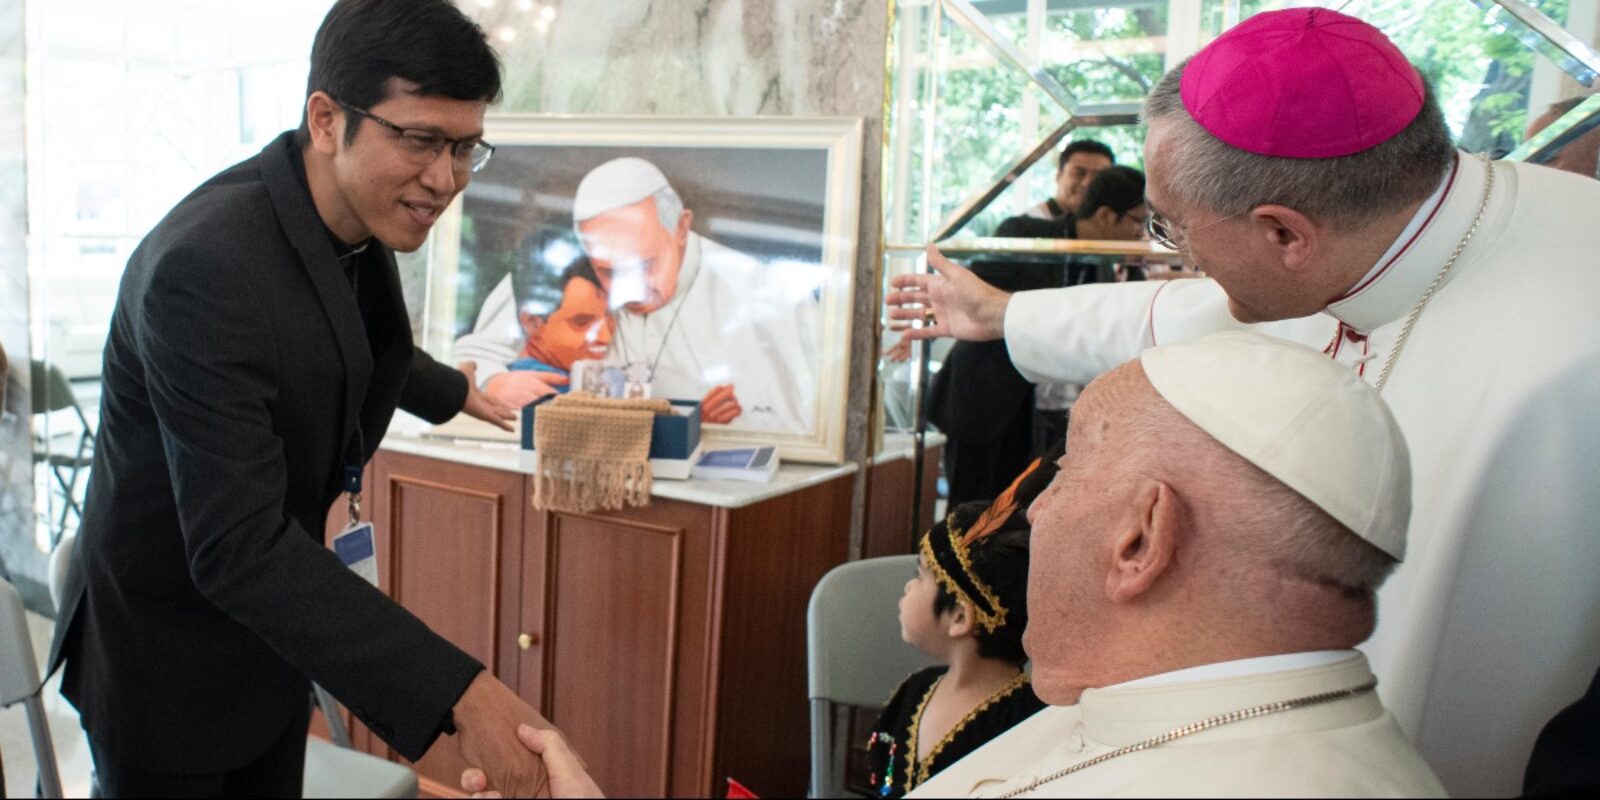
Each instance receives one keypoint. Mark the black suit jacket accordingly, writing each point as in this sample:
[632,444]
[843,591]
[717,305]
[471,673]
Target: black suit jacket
[977,392]
[237,373]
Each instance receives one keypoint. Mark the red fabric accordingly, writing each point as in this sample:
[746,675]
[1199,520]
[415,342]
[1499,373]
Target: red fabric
[1302,83]
[736,791]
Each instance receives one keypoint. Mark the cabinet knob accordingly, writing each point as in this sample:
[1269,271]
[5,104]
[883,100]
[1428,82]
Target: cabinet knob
[527,640]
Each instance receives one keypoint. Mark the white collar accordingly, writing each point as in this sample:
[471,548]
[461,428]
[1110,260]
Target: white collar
[1391,289]
[1239,668]
[1424,214]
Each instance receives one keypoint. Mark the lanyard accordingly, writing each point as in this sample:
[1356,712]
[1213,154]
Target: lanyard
[352,475]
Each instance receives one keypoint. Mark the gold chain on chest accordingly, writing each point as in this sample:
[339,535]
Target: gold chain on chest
[1203,725]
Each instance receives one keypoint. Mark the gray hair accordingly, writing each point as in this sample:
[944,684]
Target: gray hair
[1346,192]
[1260,518]
[1299,540]
[669,207]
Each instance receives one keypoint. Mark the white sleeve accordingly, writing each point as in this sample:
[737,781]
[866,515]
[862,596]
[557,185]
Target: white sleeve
[495,338]
[1077,333]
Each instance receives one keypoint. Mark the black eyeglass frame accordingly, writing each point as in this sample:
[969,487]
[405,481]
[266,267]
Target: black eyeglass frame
[477,158]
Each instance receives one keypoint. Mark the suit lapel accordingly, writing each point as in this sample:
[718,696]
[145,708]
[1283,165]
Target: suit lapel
[306,231]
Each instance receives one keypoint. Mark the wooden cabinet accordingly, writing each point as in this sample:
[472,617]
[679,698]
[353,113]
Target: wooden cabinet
[667,642]
[449,540]
[890,487]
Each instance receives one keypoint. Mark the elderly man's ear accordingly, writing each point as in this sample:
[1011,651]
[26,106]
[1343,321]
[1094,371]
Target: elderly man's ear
[1144,551]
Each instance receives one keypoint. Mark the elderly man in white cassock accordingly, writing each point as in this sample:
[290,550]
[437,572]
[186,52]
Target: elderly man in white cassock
[706,322]
[1202,567]
[1304,164]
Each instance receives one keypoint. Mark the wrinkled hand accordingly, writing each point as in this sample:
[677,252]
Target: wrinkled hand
[487,718]
[720,405]
[963,305]
[568,777]
[517,388]
[482,406]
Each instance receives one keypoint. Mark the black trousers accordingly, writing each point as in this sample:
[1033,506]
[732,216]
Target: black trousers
[279,772]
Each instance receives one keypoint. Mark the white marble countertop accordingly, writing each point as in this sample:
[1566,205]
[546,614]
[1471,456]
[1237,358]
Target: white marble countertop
[406,436]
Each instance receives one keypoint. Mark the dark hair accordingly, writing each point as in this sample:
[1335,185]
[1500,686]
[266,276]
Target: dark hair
[529,283]
[1084,146]
[364,43]
[1117,188]
[1001,562]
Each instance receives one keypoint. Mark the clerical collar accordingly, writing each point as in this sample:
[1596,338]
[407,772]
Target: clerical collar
[1239,668]
[341,251]
[1391,289]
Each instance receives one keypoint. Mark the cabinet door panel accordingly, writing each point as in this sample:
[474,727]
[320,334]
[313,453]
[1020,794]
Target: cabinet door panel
[449,539]
[625,644]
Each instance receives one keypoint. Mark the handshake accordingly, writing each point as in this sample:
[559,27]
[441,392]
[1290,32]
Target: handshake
[514,751]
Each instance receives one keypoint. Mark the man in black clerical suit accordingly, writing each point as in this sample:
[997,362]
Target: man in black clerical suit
[259,347]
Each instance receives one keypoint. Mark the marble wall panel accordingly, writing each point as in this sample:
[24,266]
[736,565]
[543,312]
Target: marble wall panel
[715,58]
[22,560]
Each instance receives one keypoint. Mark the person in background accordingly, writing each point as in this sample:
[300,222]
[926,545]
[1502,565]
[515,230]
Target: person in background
[990,411]
[257,352]
[1582,155]
[1077,165]
[967,608]
[579,327]
[1356,227]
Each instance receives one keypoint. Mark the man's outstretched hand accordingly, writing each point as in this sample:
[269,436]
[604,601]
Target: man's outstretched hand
[963,305]
[482,406]
[487,719]
[517,388]
[568,778]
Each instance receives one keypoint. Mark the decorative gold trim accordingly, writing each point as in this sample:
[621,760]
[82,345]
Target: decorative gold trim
[990,622]
[917,770]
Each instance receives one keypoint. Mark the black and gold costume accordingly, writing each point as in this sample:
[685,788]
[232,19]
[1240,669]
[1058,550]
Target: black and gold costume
[961,554]
[891,756]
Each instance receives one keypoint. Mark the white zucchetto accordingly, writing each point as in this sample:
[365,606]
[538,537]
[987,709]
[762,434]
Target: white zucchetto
[1300,416]
[614,184]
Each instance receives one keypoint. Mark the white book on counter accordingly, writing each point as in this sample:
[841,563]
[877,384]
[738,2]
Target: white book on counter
[675,469]
[756,464]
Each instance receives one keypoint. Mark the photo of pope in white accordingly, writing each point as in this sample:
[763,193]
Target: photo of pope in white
[710,261]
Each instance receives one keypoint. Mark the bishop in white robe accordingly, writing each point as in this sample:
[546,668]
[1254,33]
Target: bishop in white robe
[1488,628]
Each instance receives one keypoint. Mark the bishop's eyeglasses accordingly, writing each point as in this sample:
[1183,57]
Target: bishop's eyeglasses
[1163,232]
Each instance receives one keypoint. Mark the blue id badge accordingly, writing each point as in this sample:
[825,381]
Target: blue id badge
[355,548]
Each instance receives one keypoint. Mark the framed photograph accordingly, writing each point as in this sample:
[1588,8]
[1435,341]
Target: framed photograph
[711,258]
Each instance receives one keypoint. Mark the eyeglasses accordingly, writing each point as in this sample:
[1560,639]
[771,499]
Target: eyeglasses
[421,146]
[1168,235]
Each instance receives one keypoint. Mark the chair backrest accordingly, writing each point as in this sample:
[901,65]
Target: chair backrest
[854,654]
[51,389]
[19,671]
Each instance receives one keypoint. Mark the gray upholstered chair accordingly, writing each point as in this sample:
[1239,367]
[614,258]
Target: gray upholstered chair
[20,683]
[854,655]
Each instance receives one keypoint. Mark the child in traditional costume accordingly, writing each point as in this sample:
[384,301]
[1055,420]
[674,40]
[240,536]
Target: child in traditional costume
[966,607]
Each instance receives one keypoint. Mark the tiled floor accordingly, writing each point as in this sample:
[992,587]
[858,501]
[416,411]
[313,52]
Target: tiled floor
[16,745]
